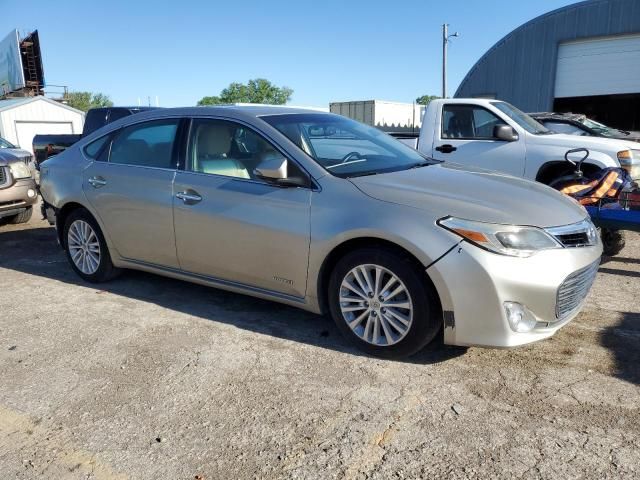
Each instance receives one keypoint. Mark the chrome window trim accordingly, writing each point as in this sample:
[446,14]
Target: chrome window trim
[115,132]
[136,166]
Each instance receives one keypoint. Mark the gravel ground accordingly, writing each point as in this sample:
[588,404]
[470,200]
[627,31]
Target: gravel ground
[151,378]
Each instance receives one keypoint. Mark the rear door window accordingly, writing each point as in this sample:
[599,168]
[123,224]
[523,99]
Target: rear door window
[148,144]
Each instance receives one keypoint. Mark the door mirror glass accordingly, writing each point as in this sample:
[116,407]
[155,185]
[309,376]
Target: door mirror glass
[273,166]
[505,133]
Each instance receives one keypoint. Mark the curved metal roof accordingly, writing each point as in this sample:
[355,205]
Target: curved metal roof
[520,68]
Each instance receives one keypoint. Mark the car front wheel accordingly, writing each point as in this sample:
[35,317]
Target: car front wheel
[87,249]
[383,302]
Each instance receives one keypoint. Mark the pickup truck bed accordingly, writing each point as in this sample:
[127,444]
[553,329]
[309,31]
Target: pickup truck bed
[45,146]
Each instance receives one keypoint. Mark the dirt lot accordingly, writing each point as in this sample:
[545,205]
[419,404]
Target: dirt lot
[153,378]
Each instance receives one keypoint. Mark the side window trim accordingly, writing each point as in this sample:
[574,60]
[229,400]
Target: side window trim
[472,106]
[188,167]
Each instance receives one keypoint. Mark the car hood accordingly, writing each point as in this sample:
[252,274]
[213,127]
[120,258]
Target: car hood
[473,194]
[631,137]
[10,155]
[600,144]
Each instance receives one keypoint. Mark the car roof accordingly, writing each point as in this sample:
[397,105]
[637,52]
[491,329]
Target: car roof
[246,111]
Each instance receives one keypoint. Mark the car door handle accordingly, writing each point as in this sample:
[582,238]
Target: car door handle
[189,198]
[446,148]
[97,182]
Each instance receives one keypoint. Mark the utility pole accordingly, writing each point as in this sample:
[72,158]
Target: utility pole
[445,41]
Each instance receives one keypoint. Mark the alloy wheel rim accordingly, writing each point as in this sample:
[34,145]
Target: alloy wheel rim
[84,247]
[376,305]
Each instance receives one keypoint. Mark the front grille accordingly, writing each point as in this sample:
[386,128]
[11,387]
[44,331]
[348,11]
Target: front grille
[15,203]
[574,290]
[581,234]
[4,177]
[574,239]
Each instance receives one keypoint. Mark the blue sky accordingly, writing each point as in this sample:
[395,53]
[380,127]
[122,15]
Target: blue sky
[326,50]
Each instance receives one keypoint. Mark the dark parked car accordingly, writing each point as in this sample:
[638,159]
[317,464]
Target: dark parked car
[579,124]
[45,146]
[18,191]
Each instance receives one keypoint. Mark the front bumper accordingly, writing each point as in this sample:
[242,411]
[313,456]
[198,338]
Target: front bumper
[473,285]
[16,197]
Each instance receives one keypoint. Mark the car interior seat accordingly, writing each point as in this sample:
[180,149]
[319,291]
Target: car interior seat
[212,153]
[458,128]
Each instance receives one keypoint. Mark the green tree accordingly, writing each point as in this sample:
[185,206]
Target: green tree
[86,100]
[425,99]
[259,90]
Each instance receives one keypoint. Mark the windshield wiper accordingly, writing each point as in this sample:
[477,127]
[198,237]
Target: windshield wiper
[425,163]
[363,174]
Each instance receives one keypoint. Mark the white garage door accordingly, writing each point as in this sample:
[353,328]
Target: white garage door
[25,131]
[605,66]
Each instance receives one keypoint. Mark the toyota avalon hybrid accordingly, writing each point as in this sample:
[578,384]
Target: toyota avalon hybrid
[323,213]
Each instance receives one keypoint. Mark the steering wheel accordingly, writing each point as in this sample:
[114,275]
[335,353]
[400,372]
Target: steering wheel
[350,156]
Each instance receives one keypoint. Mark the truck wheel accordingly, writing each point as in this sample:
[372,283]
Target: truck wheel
[613,241]
[383,303]
[87,249]
[22,217]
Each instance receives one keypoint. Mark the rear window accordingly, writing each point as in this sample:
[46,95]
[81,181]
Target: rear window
[95,119]
[119,113]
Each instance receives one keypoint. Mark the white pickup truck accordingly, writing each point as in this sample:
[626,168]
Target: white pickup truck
[495,135]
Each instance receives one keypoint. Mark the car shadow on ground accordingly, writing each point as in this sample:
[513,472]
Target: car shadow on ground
[623,341]
[35,251]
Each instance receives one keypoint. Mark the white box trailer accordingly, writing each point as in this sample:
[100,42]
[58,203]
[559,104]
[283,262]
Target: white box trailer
[394,117]
[402,120]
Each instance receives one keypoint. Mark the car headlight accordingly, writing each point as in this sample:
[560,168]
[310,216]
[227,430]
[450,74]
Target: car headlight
[20,170]
[513,240]
[628,157]
[630,161]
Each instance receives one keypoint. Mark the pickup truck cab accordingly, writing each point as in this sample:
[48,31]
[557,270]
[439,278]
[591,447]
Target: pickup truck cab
[495,135]
[45,146]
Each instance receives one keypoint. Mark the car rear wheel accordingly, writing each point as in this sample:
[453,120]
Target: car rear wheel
[86,248]
[383,303]
[22,217]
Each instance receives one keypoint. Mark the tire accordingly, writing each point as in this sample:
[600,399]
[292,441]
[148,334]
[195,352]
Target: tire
[424,316]
[22,217]
[613,241]
[84,241]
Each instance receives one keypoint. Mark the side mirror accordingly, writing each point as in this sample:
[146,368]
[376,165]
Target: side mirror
[505,133]
[274,168]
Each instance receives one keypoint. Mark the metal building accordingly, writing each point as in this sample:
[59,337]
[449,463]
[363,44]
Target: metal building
[23,118]
[583,58]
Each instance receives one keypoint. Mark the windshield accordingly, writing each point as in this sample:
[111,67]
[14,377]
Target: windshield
[600,128]
[522,119]
[5,144]
[344,147]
